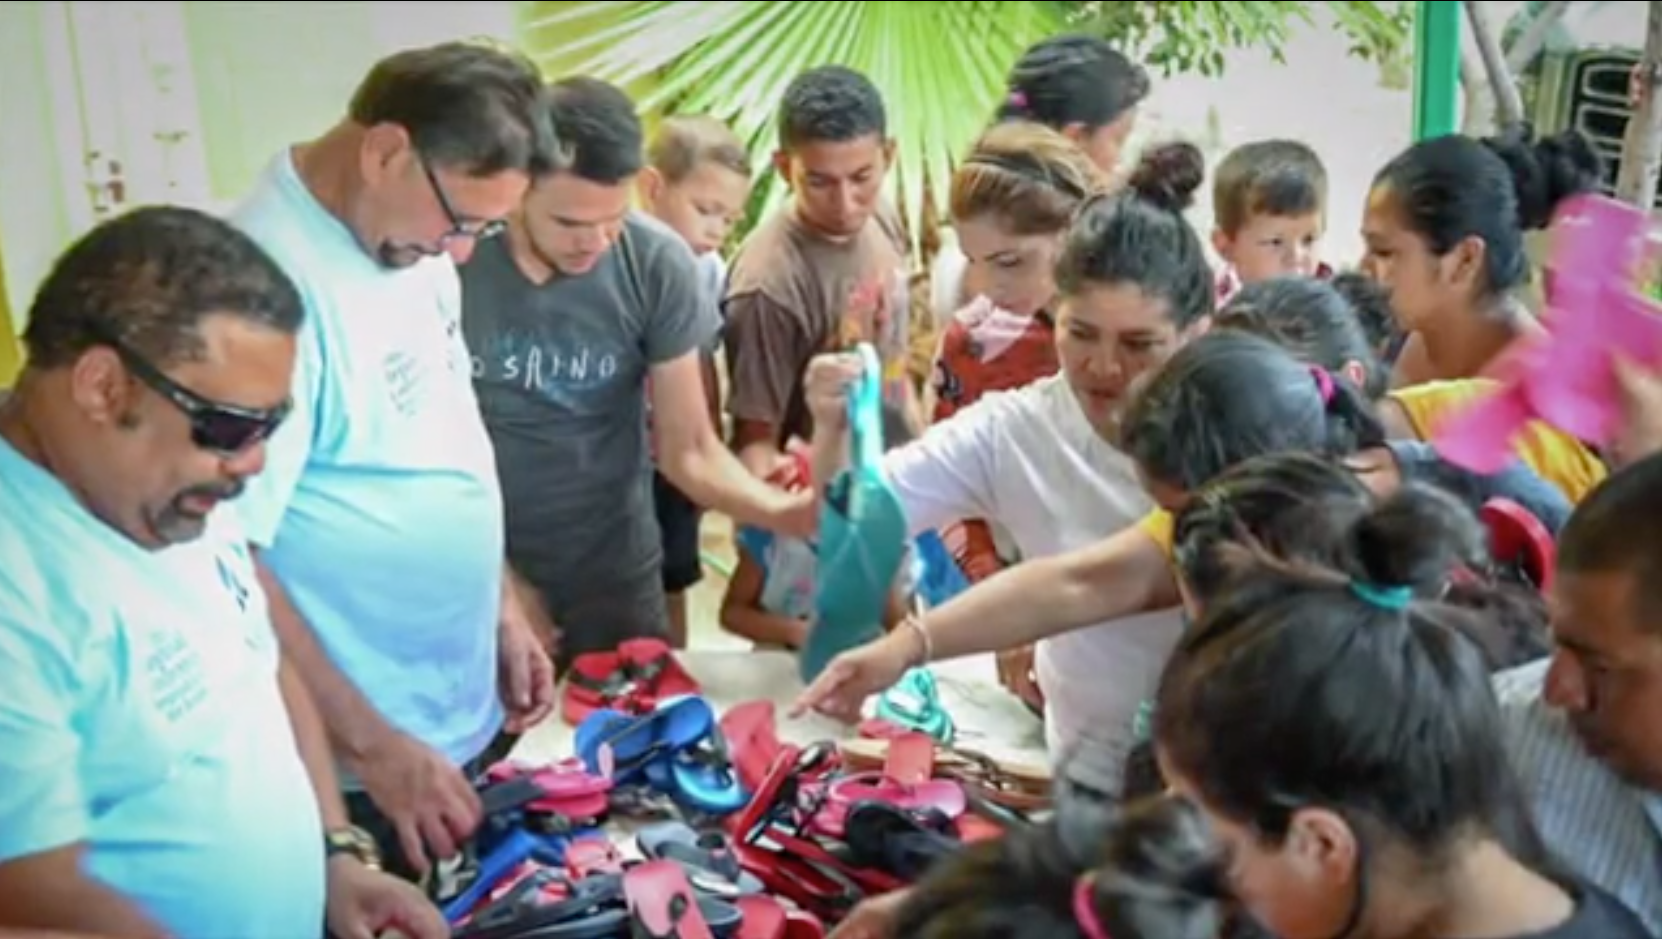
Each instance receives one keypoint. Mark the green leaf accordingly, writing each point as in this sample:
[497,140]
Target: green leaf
[940,65]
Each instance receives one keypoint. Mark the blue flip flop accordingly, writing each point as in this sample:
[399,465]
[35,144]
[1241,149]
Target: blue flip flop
[625,745]
[514,849]
[862,534]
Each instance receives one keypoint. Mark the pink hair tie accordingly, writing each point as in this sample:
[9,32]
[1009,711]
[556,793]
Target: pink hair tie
[1018,99]
[1324,383]
[1084,909]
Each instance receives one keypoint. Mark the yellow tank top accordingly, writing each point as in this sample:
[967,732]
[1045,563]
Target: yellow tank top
[1159,525]
[1554,455]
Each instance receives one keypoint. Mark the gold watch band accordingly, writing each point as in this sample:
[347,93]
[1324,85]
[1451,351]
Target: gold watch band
[353,842]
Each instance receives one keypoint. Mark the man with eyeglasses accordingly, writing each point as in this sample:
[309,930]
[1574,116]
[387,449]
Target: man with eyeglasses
[153,742]
[378,519]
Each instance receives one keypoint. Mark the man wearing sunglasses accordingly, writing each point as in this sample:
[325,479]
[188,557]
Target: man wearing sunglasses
[153,742]
[378,520]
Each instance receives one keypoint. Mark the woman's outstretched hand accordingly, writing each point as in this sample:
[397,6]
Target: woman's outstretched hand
[842,688]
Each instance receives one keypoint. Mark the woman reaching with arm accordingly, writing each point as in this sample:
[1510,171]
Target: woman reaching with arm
[1128,284]
[1226,397]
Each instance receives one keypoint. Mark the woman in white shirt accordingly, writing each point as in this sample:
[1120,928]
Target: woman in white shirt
[1129,283]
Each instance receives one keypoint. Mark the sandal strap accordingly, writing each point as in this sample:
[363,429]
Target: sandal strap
[618,683]
[648,672]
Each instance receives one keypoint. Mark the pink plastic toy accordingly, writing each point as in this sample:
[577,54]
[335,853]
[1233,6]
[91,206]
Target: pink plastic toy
[1601,267]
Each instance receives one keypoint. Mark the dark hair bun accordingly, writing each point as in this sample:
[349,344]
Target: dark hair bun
[1414,538]
[1169,175]
[1547,171]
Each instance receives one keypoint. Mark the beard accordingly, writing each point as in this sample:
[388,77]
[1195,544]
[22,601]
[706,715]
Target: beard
[397,256]
[181,520]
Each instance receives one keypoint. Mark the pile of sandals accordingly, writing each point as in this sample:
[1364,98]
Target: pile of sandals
[735,833]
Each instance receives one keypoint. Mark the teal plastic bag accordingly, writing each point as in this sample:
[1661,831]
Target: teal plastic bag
[862,534]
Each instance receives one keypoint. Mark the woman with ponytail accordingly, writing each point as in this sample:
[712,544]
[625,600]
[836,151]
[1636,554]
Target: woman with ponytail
[1158,874]
[1444,232]
[1319,323]
[1082,87]
[1131,286]
[1371,796]
[1300,508]
[1078,86]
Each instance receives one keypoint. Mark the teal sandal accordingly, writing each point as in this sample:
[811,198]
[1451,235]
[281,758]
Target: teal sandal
[915,704]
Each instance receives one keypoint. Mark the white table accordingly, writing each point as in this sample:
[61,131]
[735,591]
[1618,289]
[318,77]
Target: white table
[990,720]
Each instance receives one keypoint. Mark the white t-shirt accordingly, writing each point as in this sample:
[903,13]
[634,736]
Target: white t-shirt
[1030,462]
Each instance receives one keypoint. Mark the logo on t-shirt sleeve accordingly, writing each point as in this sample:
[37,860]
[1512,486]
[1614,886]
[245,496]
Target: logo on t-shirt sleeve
[233,583]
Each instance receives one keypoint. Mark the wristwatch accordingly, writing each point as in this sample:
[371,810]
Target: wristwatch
[353,842]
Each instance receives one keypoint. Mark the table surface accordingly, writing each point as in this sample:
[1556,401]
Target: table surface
[990,720]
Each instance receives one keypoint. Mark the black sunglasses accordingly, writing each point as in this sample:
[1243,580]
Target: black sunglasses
[459,229]
[225,429]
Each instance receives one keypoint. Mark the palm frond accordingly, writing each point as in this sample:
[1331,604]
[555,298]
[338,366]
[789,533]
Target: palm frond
[940,67]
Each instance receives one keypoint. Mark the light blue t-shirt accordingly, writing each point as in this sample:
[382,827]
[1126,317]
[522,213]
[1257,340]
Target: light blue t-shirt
[789,564]
[140,715]
[379,509]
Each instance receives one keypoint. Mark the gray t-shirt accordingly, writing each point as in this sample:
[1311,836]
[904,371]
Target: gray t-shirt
[560,372]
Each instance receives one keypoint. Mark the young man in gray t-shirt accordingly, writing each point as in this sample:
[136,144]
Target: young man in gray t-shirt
[566,317]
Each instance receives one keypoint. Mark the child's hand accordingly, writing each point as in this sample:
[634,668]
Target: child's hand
[1015,673]
[793,471]
[842,689]
[826,388]
[796,513]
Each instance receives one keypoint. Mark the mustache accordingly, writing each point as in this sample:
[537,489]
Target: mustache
[398,255]
[219,492]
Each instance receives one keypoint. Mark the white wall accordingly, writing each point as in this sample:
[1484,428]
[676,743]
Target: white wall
[255,76]
[34,222]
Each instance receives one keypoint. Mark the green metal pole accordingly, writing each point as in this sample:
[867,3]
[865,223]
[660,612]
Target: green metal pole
[1436,68]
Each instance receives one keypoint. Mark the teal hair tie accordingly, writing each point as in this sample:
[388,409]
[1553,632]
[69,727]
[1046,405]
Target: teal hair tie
[1395,599]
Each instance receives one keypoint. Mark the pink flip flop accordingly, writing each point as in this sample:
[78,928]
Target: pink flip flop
[941,795]
[568,788]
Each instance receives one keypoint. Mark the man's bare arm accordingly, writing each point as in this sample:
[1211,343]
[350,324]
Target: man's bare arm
[354,725]
[311,737]
[51,891]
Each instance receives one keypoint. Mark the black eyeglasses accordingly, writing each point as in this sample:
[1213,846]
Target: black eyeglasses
[459,229]
[225,429]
